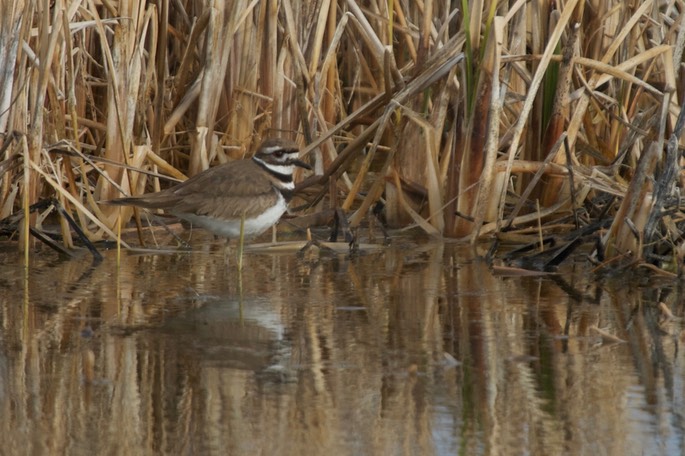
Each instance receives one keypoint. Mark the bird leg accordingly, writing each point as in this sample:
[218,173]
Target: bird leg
[241,242]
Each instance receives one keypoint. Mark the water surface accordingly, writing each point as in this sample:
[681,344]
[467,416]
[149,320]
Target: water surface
[416,349]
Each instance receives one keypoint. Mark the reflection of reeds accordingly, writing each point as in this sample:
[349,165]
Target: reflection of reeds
[110,360]
[450,115]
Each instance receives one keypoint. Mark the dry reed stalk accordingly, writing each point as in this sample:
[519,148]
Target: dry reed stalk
[559,113]
[12,26]
[10,37]
[478,87]
[490,186]
[48,31]
[428,169]
[536,81]
[220,33]
[135,86]
[582,105]
[123,72]
[436,68]
[159,57]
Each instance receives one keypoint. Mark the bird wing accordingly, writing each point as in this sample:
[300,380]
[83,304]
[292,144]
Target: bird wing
[230,190]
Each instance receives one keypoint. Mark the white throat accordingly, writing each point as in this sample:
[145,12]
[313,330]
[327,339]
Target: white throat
[285,170]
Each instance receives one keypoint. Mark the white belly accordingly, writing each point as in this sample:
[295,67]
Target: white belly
[231,228]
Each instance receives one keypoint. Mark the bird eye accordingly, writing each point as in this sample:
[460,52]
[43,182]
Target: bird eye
[279,153]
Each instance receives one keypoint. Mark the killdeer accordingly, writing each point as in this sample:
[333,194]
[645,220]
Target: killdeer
[253,191]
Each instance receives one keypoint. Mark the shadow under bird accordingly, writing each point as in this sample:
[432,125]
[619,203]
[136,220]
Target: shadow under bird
[218,199]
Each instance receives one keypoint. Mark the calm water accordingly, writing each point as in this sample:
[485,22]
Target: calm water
[416,350]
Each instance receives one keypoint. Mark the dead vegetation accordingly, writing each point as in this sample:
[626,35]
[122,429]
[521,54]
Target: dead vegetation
[536,122]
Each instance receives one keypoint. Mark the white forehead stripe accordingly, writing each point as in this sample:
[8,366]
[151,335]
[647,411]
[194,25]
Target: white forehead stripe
[272,149]
[286,170]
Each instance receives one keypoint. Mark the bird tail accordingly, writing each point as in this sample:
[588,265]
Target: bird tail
[152,201]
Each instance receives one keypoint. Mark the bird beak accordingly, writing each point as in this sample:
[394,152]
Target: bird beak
[300,163]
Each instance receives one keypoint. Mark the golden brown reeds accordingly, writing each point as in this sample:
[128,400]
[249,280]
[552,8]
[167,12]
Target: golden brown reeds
[452,115]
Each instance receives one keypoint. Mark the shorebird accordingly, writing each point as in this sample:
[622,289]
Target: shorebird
[240,199]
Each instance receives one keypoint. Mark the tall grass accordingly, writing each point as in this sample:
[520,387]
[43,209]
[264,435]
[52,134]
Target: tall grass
[454,115]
